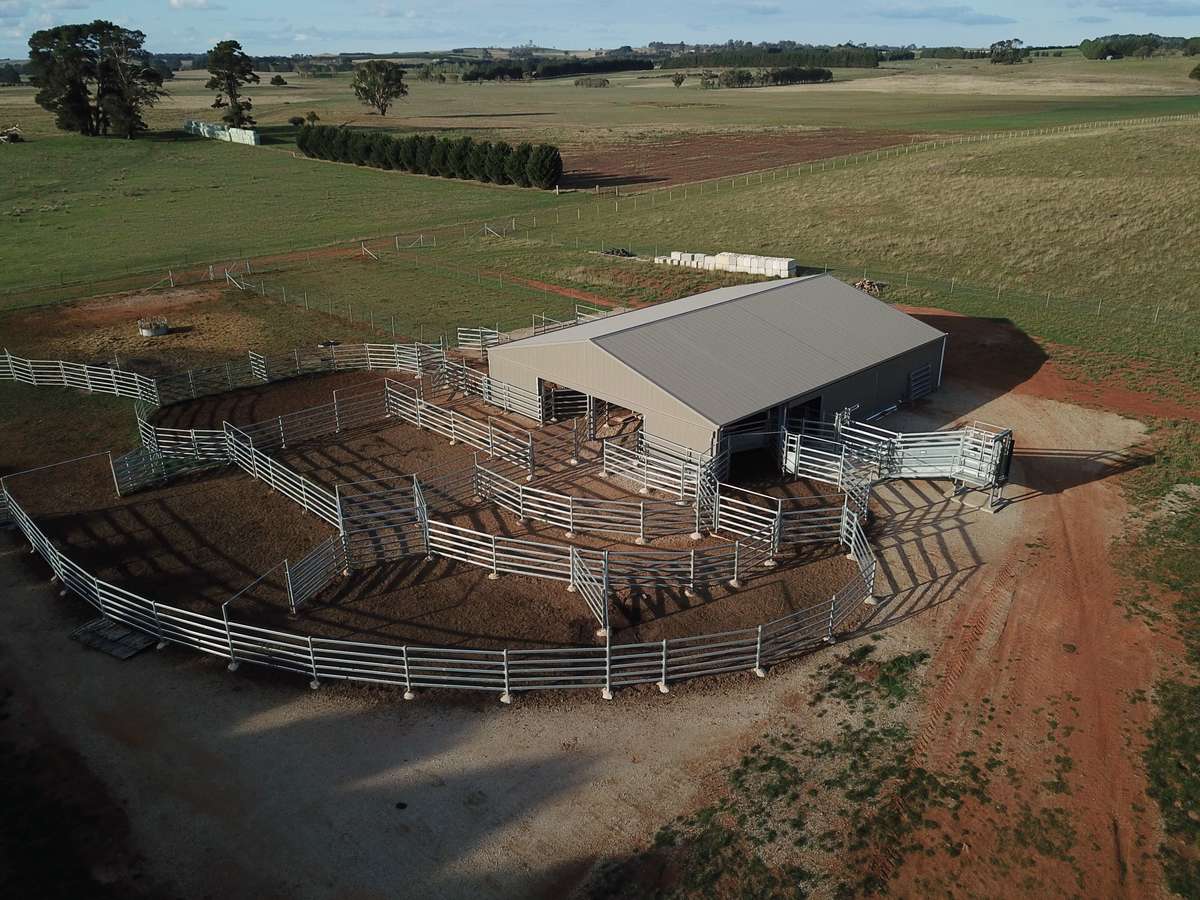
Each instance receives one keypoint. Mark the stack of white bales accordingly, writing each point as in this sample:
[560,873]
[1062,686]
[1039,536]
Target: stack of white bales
[748,263]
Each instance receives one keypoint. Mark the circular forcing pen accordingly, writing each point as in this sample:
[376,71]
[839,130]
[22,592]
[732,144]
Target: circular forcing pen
[598,504]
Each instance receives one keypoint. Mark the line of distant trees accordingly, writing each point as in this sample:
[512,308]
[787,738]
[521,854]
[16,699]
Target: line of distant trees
[774,58]
[1121,45]
[9,75]
[744,78]
[423,154]
[535,67]
[953,53]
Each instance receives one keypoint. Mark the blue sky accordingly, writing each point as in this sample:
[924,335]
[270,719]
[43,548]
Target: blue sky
[299,26]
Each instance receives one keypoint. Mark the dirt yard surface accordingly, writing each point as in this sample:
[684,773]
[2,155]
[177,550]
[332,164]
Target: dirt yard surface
[247,406]
[697,157]
[203,540]
[1016,362]
[1034,676]
[208,325]
[194,543]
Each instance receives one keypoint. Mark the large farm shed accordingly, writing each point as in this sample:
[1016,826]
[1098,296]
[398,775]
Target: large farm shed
[736,360]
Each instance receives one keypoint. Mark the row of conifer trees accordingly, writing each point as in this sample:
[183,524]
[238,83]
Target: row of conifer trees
[496,162]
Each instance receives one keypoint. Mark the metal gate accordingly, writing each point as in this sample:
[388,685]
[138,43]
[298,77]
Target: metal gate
[258,366]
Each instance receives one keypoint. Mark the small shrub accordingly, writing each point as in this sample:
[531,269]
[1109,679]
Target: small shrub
[592,81]
[518,164]
[380,145]
[312,118]
[439,158]
[497,162]
[458,157]
[1195,73]
[296,121]
[278,80]
[478,163]
[545,167]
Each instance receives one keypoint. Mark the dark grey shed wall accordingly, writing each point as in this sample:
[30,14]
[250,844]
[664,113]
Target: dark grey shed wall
[873,389]
[881,385]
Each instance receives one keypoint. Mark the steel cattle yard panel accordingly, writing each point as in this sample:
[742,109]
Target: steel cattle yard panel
[759,521]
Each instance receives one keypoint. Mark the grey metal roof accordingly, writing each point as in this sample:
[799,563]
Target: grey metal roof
[734,351]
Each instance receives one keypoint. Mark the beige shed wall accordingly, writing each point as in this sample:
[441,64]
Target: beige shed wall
[584,367]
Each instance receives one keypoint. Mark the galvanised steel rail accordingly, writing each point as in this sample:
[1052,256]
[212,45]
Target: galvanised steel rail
[504,671]
[760,523]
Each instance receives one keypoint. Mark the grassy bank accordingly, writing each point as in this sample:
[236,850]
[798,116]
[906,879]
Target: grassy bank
[1163,557]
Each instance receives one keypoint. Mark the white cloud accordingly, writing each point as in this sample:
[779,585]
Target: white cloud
[193,4]
[1165,9]
[13,9]
[953,15]
[761,9]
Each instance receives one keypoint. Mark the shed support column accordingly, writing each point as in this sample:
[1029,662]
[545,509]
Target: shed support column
[591,418]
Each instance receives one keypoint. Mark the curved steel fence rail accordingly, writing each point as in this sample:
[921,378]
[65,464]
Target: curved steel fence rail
[503,671]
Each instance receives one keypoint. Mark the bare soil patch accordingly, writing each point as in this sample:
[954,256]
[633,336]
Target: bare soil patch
[208,324]
[203,539]
[996,355]
[698,157]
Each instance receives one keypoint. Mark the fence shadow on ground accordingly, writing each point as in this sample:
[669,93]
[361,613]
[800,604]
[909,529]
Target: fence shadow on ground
[1039,471]
[925,552]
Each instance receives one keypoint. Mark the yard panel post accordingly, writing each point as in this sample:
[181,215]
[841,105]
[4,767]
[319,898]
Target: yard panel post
[495,573]
[162,641]
[758,666]
[233,663]
[606,692]
[662,681]
[408,691]
[312,660]
[506,697]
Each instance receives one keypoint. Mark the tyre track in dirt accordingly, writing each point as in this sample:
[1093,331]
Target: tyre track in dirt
[1041,664]
[973,624]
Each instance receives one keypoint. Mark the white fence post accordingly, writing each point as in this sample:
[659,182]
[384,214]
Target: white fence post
[606,692]
[494,574]
[758,666]
[162,642]
[408,691]
[506,697]
[233,663]
[662,681]
[312,659]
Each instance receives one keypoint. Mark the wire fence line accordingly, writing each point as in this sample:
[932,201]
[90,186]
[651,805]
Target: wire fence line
[197,272]
[1163,327]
